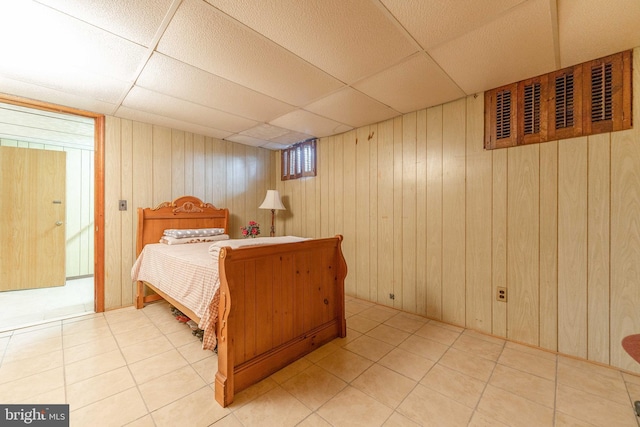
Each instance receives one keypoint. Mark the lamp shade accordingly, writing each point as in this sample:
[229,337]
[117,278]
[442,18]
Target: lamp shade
[272,201]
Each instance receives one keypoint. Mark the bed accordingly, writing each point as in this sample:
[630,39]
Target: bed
[275,303]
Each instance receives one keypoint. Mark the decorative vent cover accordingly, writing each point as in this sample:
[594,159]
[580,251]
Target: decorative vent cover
[564,101]
[601,92]
[503,114]
[585,99]
[531,109]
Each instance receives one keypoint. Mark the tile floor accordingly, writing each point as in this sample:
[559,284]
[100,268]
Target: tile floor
[142,368]
[30,307]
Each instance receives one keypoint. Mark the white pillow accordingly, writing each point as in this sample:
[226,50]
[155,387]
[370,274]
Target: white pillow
[168,240]
[193,232]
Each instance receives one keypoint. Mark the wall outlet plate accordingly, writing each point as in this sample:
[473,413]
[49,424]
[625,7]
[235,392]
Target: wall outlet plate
[122,205]
[501,294]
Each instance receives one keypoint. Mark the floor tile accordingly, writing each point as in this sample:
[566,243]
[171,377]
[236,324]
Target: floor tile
[405,322]
[345,364]
[116,410]
[155,366]
[92,366]
[514,410]
[197,409]
[361,324]
[541,366]
[455,385]
[384,385]
[351,407]
[408,364]
[606,386]
[314,386]
[424,347]
[96,388]
[388,334]
[429,408]
[529,386]
[368,347]
[170,387]
[478,347]
[593,409]
[468,364]
[274,408]
[437,333]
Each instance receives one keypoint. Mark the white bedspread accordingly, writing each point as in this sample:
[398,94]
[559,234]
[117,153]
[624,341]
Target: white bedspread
[187,273]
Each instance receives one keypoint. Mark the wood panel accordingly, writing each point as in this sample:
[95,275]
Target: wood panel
[396,297]
[384,260]
[349,209]
[128,223]
[178,176]
[625,233]
[362,234]
[408,203]
[421,213]
[598,248]
[453,212]
[373,212]
[434,212]
[112,219]
[479,292]
[572,247]
[523,243]
[499,237]
[549,245]
[625,243]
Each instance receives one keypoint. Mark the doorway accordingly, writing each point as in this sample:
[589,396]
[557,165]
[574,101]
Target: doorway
[80,135]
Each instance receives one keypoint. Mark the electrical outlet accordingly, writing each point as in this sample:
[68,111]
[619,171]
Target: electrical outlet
[122,205]
[501,294]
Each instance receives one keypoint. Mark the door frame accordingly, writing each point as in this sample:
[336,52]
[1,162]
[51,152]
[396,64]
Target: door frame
[98,200]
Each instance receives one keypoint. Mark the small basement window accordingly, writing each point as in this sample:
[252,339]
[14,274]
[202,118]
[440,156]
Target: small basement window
[299,160]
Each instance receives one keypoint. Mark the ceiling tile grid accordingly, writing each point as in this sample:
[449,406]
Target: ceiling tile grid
[275,72]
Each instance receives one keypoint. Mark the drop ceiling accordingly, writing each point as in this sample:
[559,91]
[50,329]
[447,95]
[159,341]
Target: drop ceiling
[270,73]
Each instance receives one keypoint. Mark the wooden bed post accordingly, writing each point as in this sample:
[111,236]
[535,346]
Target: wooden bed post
[224,381]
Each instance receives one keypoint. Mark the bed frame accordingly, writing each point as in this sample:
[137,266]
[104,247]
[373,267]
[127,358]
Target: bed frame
[277,302]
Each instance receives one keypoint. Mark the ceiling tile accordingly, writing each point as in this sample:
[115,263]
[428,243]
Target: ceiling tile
[291,137]
[204,37]
[163,105]
[347,39]
[54,96]
[310,124]
[56,41]
[352,108]
[412,85]
[599,17]
[172,77]
[275,146]
[516,46]
[432,22]
[247,140]
[265,131]
[155,119]
[137,21]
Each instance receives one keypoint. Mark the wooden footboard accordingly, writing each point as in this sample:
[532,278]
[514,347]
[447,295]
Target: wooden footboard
[277,303]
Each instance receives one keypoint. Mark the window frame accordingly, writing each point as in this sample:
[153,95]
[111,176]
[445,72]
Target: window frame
[299,160]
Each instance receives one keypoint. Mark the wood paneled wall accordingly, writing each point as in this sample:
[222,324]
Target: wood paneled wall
[147,165]
[433,224]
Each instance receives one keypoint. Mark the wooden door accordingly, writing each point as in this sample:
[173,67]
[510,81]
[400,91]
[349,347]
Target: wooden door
[32,207]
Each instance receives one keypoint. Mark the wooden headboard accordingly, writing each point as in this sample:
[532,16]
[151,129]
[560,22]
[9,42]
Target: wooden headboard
[183,212]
